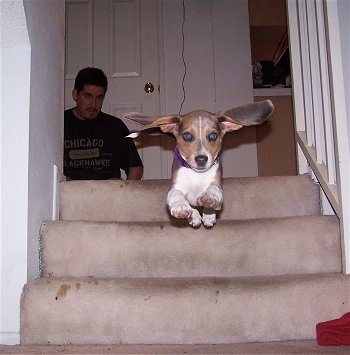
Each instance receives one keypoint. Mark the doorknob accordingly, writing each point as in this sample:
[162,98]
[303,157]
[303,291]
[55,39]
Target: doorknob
[149,88]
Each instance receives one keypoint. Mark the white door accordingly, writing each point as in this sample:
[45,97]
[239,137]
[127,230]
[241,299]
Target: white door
[120,37]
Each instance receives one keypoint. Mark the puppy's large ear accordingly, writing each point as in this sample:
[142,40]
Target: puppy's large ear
[167,124]
[250,114]
[227,124]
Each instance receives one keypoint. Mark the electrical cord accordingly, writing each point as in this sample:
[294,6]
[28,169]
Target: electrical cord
[183,54]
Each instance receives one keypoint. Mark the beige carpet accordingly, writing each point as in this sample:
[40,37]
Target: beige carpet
[289,347]
[124,273]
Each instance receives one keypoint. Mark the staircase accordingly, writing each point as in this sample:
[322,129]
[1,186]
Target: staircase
[117,268]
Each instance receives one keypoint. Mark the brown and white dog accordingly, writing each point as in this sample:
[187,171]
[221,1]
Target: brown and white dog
[196,169]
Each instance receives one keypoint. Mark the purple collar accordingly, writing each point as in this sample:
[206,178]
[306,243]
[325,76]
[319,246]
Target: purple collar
[183,162]
[180,159]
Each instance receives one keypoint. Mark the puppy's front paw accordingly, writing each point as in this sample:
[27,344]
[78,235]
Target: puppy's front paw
[211,198]
[209,220]
[178,205]
[195,220]
[181,210]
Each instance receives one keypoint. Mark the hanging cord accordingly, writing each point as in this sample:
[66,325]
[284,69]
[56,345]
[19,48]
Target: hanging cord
[183,54]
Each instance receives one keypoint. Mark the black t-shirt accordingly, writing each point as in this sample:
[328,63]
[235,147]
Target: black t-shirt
[97,149]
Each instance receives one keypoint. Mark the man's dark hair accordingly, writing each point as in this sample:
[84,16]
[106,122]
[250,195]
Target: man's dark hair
[90,76]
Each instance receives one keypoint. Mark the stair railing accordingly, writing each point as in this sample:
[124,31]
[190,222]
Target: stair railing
[322,131]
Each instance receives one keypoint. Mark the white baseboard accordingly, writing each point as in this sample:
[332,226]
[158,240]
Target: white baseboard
[55,193]
[9,338]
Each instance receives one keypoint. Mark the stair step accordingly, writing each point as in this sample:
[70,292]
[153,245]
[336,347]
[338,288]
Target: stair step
[274,246]
[118,269]
[179,310]
[271,348]
[136,201]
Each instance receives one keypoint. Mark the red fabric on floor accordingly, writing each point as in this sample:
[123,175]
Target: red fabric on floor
[334,332]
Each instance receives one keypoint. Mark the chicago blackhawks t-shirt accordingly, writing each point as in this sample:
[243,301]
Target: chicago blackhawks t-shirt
[97,149]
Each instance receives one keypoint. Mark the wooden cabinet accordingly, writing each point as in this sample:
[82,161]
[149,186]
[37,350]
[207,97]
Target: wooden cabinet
[276,148]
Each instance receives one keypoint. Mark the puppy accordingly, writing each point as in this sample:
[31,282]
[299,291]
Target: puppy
[196,169]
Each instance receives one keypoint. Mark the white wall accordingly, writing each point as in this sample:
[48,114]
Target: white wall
[31,141]
[344,16]
[344,153]
[15,90]
[218,69]
[46,114]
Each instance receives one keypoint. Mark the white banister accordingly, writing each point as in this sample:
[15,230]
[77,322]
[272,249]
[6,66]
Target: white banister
[319,104]
[328,125]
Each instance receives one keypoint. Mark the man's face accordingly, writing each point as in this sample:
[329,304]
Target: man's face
[89,101]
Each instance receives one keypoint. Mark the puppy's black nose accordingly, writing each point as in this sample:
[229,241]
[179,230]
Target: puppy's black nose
[201,160]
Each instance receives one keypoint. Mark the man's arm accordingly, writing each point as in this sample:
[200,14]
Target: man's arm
[135,173]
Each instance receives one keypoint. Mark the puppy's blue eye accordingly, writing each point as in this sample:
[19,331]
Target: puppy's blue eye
[187,137]
[213,136]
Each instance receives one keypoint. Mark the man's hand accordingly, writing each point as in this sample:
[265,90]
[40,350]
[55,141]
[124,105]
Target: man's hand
[135,173]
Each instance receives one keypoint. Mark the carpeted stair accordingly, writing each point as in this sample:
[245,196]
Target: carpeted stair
[117,268]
